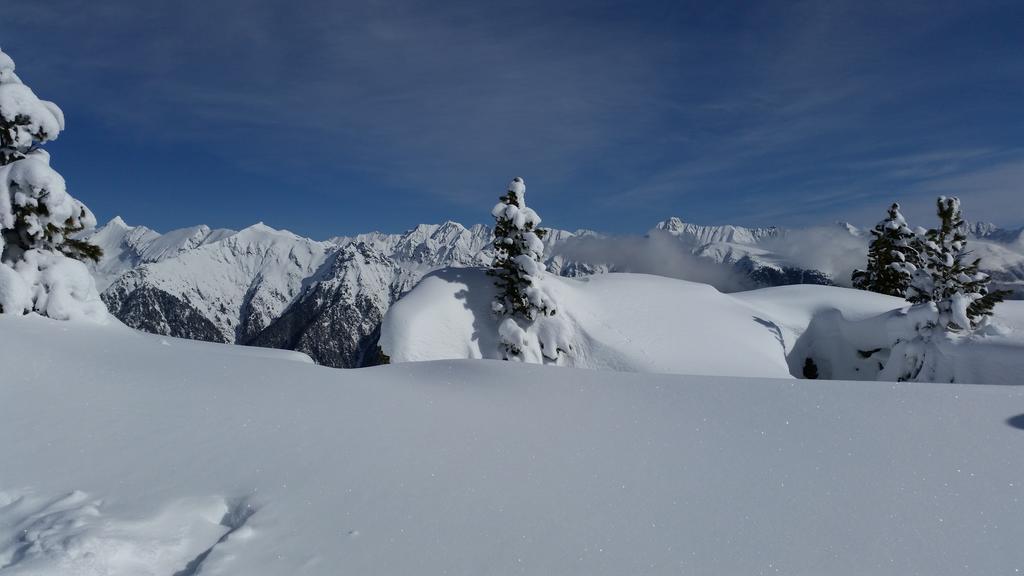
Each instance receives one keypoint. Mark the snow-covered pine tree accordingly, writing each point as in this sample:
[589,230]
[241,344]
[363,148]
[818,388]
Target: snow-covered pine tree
[518,254]
[959,290]
[894,253]
[950,296]
[518,266]
[38,218]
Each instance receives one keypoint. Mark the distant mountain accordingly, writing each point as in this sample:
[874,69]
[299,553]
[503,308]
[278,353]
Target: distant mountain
[743,249]
[272,288]
[697,234]
[238,285]
[745,257]
[989,231]
[1002,256]
[768,256]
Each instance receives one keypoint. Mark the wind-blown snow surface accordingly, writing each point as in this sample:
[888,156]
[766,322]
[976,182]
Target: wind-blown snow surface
[641,323]
[128,453]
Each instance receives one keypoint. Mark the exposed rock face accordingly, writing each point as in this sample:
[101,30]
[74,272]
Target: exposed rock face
[153,310]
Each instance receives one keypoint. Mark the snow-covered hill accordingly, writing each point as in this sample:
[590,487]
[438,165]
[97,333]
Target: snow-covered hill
[127,454]
[267,287]
[642,323]
[629,322]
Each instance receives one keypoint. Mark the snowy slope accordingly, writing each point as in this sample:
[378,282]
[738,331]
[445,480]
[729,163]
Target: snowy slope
[628,322]
[849,333]
[642,323]
[135,454]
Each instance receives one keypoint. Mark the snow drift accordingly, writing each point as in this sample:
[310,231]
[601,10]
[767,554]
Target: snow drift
[127,453]
[628,322]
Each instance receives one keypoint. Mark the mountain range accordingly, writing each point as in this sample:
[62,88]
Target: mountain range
[265,287]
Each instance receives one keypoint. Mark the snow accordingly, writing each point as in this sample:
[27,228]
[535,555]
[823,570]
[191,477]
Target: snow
[127,247]
[135,454]
[641,323]
[241,281]
[430,246]
[792,308]
[415,252]
[700,234]
[59,287]
[15,296]
[833,325]
[35,117]
[628,322]
[31,182]
[36,212]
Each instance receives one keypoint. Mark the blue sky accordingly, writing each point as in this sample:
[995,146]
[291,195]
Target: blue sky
[329,117]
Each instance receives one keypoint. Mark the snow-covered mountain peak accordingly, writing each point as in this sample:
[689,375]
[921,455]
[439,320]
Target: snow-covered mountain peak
[993,233]
[238,282]
[850,229]
[260,230]
[111,234]
[673,224]
[117,222]
[703,234]
[983,229]
[125,247]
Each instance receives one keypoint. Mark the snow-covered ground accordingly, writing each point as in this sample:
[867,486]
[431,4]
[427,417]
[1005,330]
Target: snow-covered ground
[126,453]
[642,323]
[628,322]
